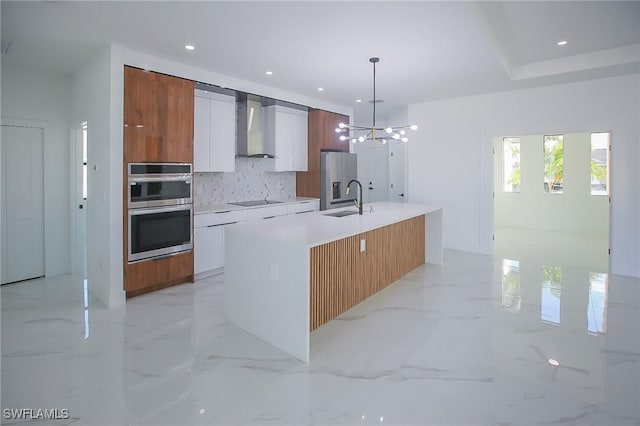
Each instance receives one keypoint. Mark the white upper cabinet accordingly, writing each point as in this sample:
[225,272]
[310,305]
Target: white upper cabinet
[287,130]
[214,135]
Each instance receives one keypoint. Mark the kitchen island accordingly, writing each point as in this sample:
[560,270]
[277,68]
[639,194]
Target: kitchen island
[286,276]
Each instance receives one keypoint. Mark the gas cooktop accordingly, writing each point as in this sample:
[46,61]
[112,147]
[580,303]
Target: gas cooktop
[254,203]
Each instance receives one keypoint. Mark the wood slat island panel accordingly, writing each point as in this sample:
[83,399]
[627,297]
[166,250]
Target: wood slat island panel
[333,275]
[341,276]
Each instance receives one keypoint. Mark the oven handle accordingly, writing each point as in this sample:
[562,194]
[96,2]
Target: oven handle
[185,178]
[162,256]
[152,210]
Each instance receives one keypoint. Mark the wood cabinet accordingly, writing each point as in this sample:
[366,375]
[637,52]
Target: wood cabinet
[286,131]
[322,135]
[214,135]
[155,274]
[158,117]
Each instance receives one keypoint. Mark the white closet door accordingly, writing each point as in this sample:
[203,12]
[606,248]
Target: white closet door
[22,203]
[377,185]
[397,172]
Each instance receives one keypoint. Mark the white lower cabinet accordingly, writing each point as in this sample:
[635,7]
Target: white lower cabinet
[208,238]
[208,231]
[267,212]
[303,207]
[208,248]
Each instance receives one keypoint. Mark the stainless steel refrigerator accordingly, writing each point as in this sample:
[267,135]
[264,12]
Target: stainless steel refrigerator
[336,170]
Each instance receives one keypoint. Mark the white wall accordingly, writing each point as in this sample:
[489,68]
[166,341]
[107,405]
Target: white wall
[33,95]
[451,162]
[575,210]
[400,117]
[90,103]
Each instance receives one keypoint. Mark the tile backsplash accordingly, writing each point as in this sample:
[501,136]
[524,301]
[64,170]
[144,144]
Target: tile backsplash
[250,181]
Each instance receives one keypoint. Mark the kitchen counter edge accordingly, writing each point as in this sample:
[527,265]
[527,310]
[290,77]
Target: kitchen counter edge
[213,208]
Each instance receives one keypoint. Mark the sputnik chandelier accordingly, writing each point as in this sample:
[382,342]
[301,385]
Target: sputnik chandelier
[373,133]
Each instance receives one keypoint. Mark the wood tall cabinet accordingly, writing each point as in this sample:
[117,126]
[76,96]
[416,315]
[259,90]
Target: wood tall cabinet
[158,117]
[322,135]
[158,127]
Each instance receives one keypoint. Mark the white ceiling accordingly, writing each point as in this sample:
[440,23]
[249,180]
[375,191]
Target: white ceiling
[428,50]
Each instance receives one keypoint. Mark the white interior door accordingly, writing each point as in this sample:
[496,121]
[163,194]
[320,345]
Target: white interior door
[377,183]
[22,203]
[397,172]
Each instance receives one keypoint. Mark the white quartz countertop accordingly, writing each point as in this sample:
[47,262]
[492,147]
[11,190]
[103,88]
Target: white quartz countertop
[312,229]
[213,208]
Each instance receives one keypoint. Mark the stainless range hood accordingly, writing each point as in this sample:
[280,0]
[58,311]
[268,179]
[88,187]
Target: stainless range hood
[250,138]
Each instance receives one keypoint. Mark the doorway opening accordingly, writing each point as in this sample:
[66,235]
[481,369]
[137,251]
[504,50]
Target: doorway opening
[552,198]
[79,194]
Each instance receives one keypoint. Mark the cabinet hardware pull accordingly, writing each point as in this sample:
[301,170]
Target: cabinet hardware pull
[221,224]
[306,211]
[269,217]
[225,211]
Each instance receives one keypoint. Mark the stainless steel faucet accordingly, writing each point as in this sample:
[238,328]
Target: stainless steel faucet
[358,203]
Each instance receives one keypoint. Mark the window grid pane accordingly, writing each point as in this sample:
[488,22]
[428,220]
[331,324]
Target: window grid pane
[599,164]
[554,164]
[511,175]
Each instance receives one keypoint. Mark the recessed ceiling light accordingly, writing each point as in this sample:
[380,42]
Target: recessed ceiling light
[189,46]
[320,89]
[562,42]
[553,362]
[268,72]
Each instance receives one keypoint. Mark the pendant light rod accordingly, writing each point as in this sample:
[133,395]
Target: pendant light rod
[374,61]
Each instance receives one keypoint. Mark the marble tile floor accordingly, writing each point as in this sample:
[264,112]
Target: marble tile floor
[534,335]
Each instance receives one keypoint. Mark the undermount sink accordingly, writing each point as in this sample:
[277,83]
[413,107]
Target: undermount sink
[342,213]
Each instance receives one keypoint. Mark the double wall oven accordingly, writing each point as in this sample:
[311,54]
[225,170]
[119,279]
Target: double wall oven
[160,208]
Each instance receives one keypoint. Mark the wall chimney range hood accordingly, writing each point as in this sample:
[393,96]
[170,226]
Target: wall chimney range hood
[255,126]
[251,140]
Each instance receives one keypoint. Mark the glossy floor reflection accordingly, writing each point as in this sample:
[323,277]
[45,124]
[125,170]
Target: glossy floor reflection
[536,334]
